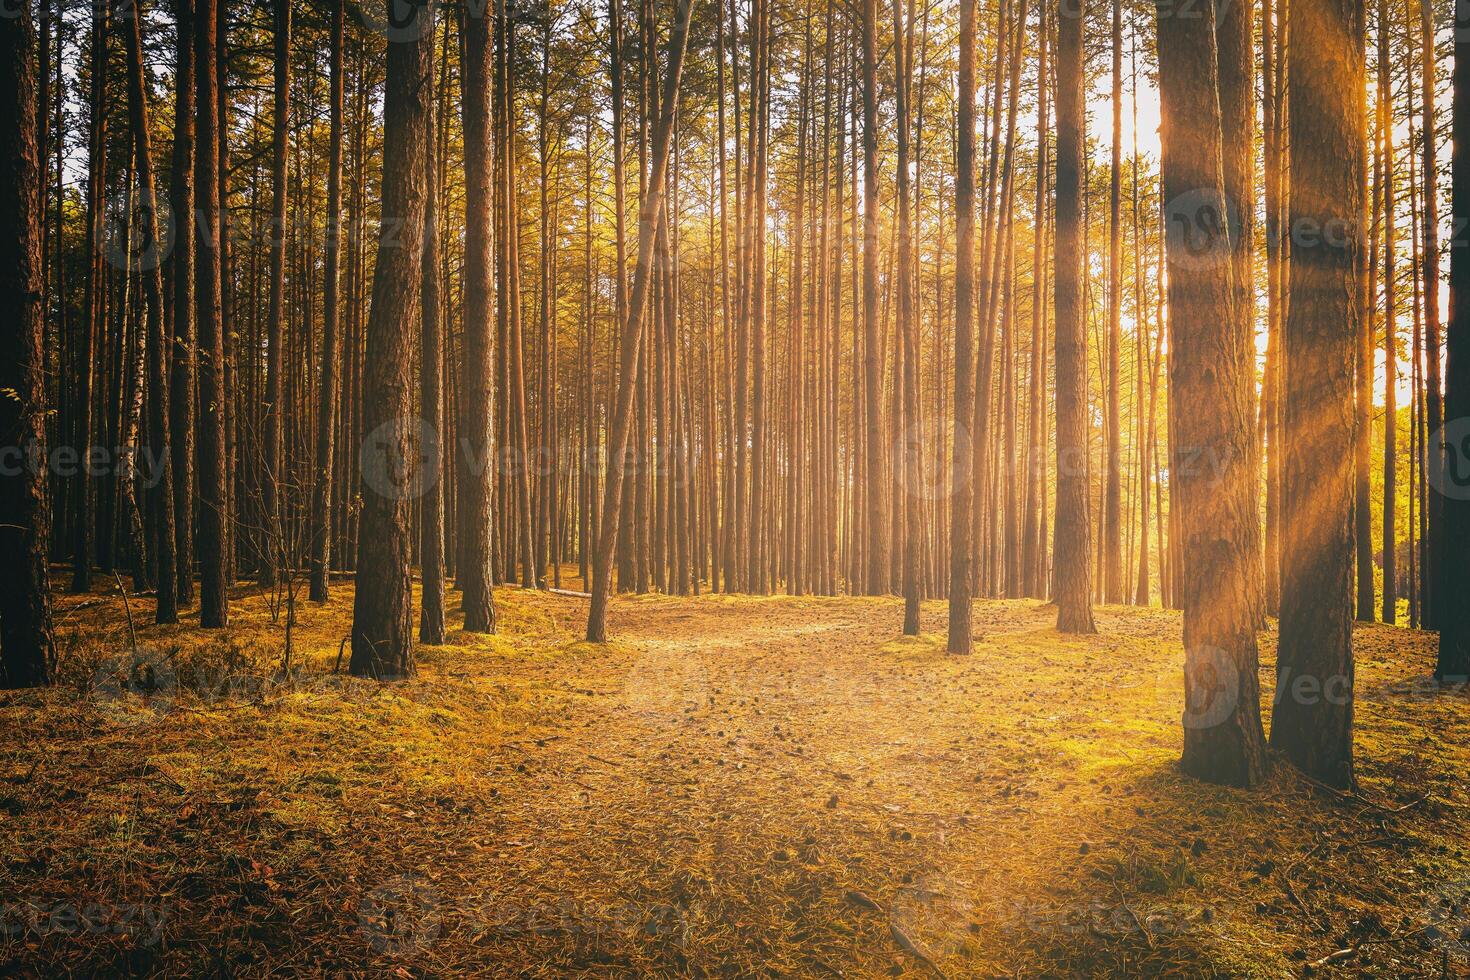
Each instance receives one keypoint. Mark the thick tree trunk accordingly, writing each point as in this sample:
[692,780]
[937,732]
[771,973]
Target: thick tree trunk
[1272,25]
[1073,548]
[27,647]
[392,452]
[1313,720]
[1212,457]
[1452,443]
[1430,257]
[1235,42]
[474,566]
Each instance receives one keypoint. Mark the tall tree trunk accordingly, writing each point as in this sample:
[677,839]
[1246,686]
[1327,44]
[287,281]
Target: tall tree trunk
[431,397]
[510,293]
[908,333]
[182,394]
[382,618]
[1034,547]
[326,422]
[876,546]
[1390,331]
[27,647]
[1235,44]
[1313,720]
[760,107]
[961,528]
[94,300]
[1112,530]
[474,566]
[212,542]
[1452,442]
[270,490]
[151,247]
[649,208]
[1072,573]
[1430,257]
[1272,25]
[1363,350]
[546,433]
[1223,739]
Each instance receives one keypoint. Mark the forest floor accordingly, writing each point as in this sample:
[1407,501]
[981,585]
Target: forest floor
[735,787]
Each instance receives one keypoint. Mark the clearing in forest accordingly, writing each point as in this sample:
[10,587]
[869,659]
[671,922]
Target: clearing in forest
[736,787]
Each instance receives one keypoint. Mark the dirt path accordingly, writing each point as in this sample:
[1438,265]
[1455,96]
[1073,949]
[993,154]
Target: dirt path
[737,787]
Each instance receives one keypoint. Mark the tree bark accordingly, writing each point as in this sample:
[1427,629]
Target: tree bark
[876,549]
[327,400]
[1452,442]
[1212,458]
[151,247]
[1313,719]
[1235,45]
[27,646]
[1112,531]
[273,443]
[474,566]
[1430,257]
[1072,573]
[182,392]
[431,385]
[213,473]
[961,527]
[382,620]
[1390,331]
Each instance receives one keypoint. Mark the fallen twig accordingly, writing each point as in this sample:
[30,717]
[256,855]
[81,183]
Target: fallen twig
[1351,951]
[127,608]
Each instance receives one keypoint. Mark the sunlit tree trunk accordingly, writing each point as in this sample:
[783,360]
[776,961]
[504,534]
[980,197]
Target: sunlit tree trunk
[632,329]
[1112,529]
[431,399]
[1390,331]
[961,526]
[1235,44]
[382,619]
[1328,153]
[908,335]
[1212,460]
[1072,582]
[876,546]
[473,567]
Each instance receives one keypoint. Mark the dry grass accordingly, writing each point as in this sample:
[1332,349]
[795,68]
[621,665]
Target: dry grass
[736,787]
